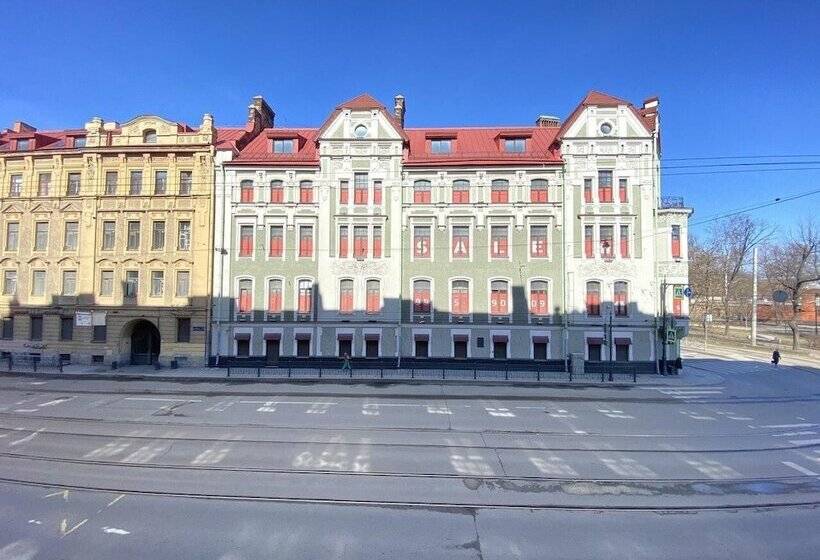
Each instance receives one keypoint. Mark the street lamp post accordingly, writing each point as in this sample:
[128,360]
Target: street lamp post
[816,305]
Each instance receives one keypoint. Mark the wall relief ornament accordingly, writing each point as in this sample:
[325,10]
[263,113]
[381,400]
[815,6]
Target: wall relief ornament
[358,268]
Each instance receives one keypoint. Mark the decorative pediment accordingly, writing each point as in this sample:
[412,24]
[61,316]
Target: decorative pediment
[9,263]
[41,208]
[156,260]
[71,206]
[179,263]
[36,261]
[68,261]
[12,209]
[106,263]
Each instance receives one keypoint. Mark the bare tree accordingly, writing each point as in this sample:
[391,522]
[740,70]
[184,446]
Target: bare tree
[732,240]
[704,277]
[793,265]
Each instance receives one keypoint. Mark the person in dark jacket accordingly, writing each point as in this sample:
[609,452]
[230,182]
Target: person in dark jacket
[678,364]
[775,357]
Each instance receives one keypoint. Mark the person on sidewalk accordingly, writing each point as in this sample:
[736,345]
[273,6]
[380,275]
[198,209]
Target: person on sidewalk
[775,357]
[346,364]
[678,365]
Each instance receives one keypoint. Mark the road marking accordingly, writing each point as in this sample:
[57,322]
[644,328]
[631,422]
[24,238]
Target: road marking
[788,426]
[35,521]
[115,531]
[55,401]
[798,468]
[794,434]
[115,500]
[289,402]
[66,531]
[160,399]
[63,493]
[26,410]
[805,441]
[27,438]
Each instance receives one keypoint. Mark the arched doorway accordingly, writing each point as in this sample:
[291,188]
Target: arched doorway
[145,342]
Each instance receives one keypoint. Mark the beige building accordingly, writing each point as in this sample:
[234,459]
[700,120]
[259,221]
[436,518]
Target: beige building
[105,236]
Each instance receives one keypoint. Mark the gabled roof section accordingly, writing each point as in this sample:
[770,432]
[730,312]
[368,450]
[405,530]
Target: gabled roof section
[601,99]
[258,151]
[231,138]
[362,102]
[42,139]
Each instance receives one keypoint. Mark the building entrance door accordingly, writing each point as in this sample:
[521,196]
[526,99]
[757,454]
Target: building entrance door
[272,351]
[145,343]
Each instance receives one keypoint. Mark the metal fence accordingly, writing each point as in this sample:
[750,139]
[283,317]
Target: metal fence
[27,362]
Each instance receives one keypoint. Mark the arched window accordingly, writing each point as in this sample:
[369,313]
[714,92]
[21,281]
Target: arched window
[621,299]
[274,295]
[539,192]
[499,297]
[594,298]
[149,136]
[246,191]
[421,296]
[277,192]
[346,296]
[305,299]
[245,300]
[461,192]
[500,191]
[422,192]
[460,297]
[373,300]
[539,302]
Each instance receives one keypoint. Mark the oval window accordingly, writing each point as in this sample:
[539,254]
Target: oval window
[360,131]
[606,128]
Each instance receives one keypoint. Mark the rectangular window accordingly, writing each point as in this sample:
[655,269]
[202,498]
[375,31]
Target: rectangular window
[607,234]
[621,351]
[9,282]
[675,242]
[245,241]
[441,146]
[183,329]
[69,283]
[306,192]
[8,327]
[110,183]
[460,304]
[377,242]
[36,332]
[106,282]
[343,242]
[620,299]
[16,185]
[277,192]
[183,283]
[539,305]
[344,192]
[624,239]
[276,241]
[158,236]
[135,184]
[23,144]
[346,296]
[359,241]
[373,299]
[461,192]
[12,236]
[243,347]
[539,349]
[66,328]
[186,180]
[539,191]
[515,145]
[246,192]
[360,188]
[623,190]
[588,191]
[422,347]
[306,241]
[132,280]
[245,302]
[588,251]
[99,334]
[41,236]
[305,297]
[500,192]
[157,283]
[109,235]
[160,182]
[43,184]
[371,346]
[422,192]
[73,187]
[377,193]
[499,242]
[303,347]
[184,235]
[500,347]
[283,146]
[460,344]
[604,186]
[70,239]
[133,236]
[499,298]
[274,295]
[38,283]
[461,242]
[538,242]
[594,351]
[421,242]
[79,142]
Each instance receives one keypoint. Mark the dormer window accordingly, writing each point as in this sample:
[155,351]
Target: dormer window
[515,145]
[23,144]
[442,146]
[283,146]
[79,141]
[149,136]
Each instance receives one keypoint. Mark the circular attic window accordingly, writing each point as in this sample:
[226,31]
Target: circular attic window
[606,128]
[360,131]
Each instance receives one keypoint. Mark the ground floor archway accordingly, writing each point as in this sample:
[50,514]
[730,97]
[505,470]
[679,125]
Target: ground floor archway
[143,342]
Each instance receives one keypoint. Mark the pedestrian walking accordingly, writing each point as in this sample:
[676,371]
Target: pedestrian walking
[678,365]
[346,364]
[775,357]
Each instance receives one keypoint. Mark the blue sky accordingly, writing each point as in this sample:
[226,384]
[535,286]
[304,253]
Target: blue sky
[735,78]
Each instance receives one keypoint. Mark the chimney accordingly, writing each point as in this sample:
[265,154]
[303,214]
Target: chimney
[651,105]
[547,121]
[20,126]
[260,115]
[398,109]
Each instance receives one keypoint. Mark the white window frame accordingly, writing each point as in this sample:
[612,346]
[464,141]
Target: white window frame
[470,295]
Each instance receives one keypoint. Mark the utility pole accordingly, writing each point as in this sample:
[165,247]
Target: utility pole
[754,296]
[663,328]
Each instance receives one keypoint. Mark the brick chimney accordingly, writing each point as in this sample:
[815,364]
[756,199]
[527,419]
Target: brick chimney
[20,126]
[547,121]
[398,109]
[260,115]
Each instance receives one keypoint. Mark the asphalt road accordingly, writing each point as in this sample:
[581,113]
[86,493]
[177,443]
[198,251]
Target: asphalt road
[721,463]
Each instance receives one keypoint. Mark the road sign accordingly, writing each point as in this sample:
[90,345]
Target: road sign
[671,336]
[687,291]
[708,317]
[780,296]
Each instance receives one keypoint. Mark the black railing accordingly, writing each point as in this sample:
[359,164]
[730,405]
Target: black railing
[672,202]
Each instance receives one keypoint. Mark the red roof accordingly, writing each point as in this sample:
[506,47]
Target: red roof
[363,102]
[230,138]
[43,139]
[599,99]
[259,151]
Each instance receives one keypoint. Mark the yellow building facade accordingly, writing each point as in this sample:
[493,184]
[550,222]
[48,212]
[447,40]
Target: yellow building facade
[105,236]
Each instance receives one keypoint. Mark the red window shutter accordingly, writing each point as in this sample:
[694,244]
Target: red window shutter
[246,246]
[306,195]
[343,243]
[274,301]
[276,246]
[244,301]
[675,247]
[624,246]
[677,307]
[304,301]
[377,193]
[344,193]
[372,301]
[377,245]
[277,195]
[421,300]
[347,302]
[306,243]
[622,191]
[460,305]
[247,194]
[538,302]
